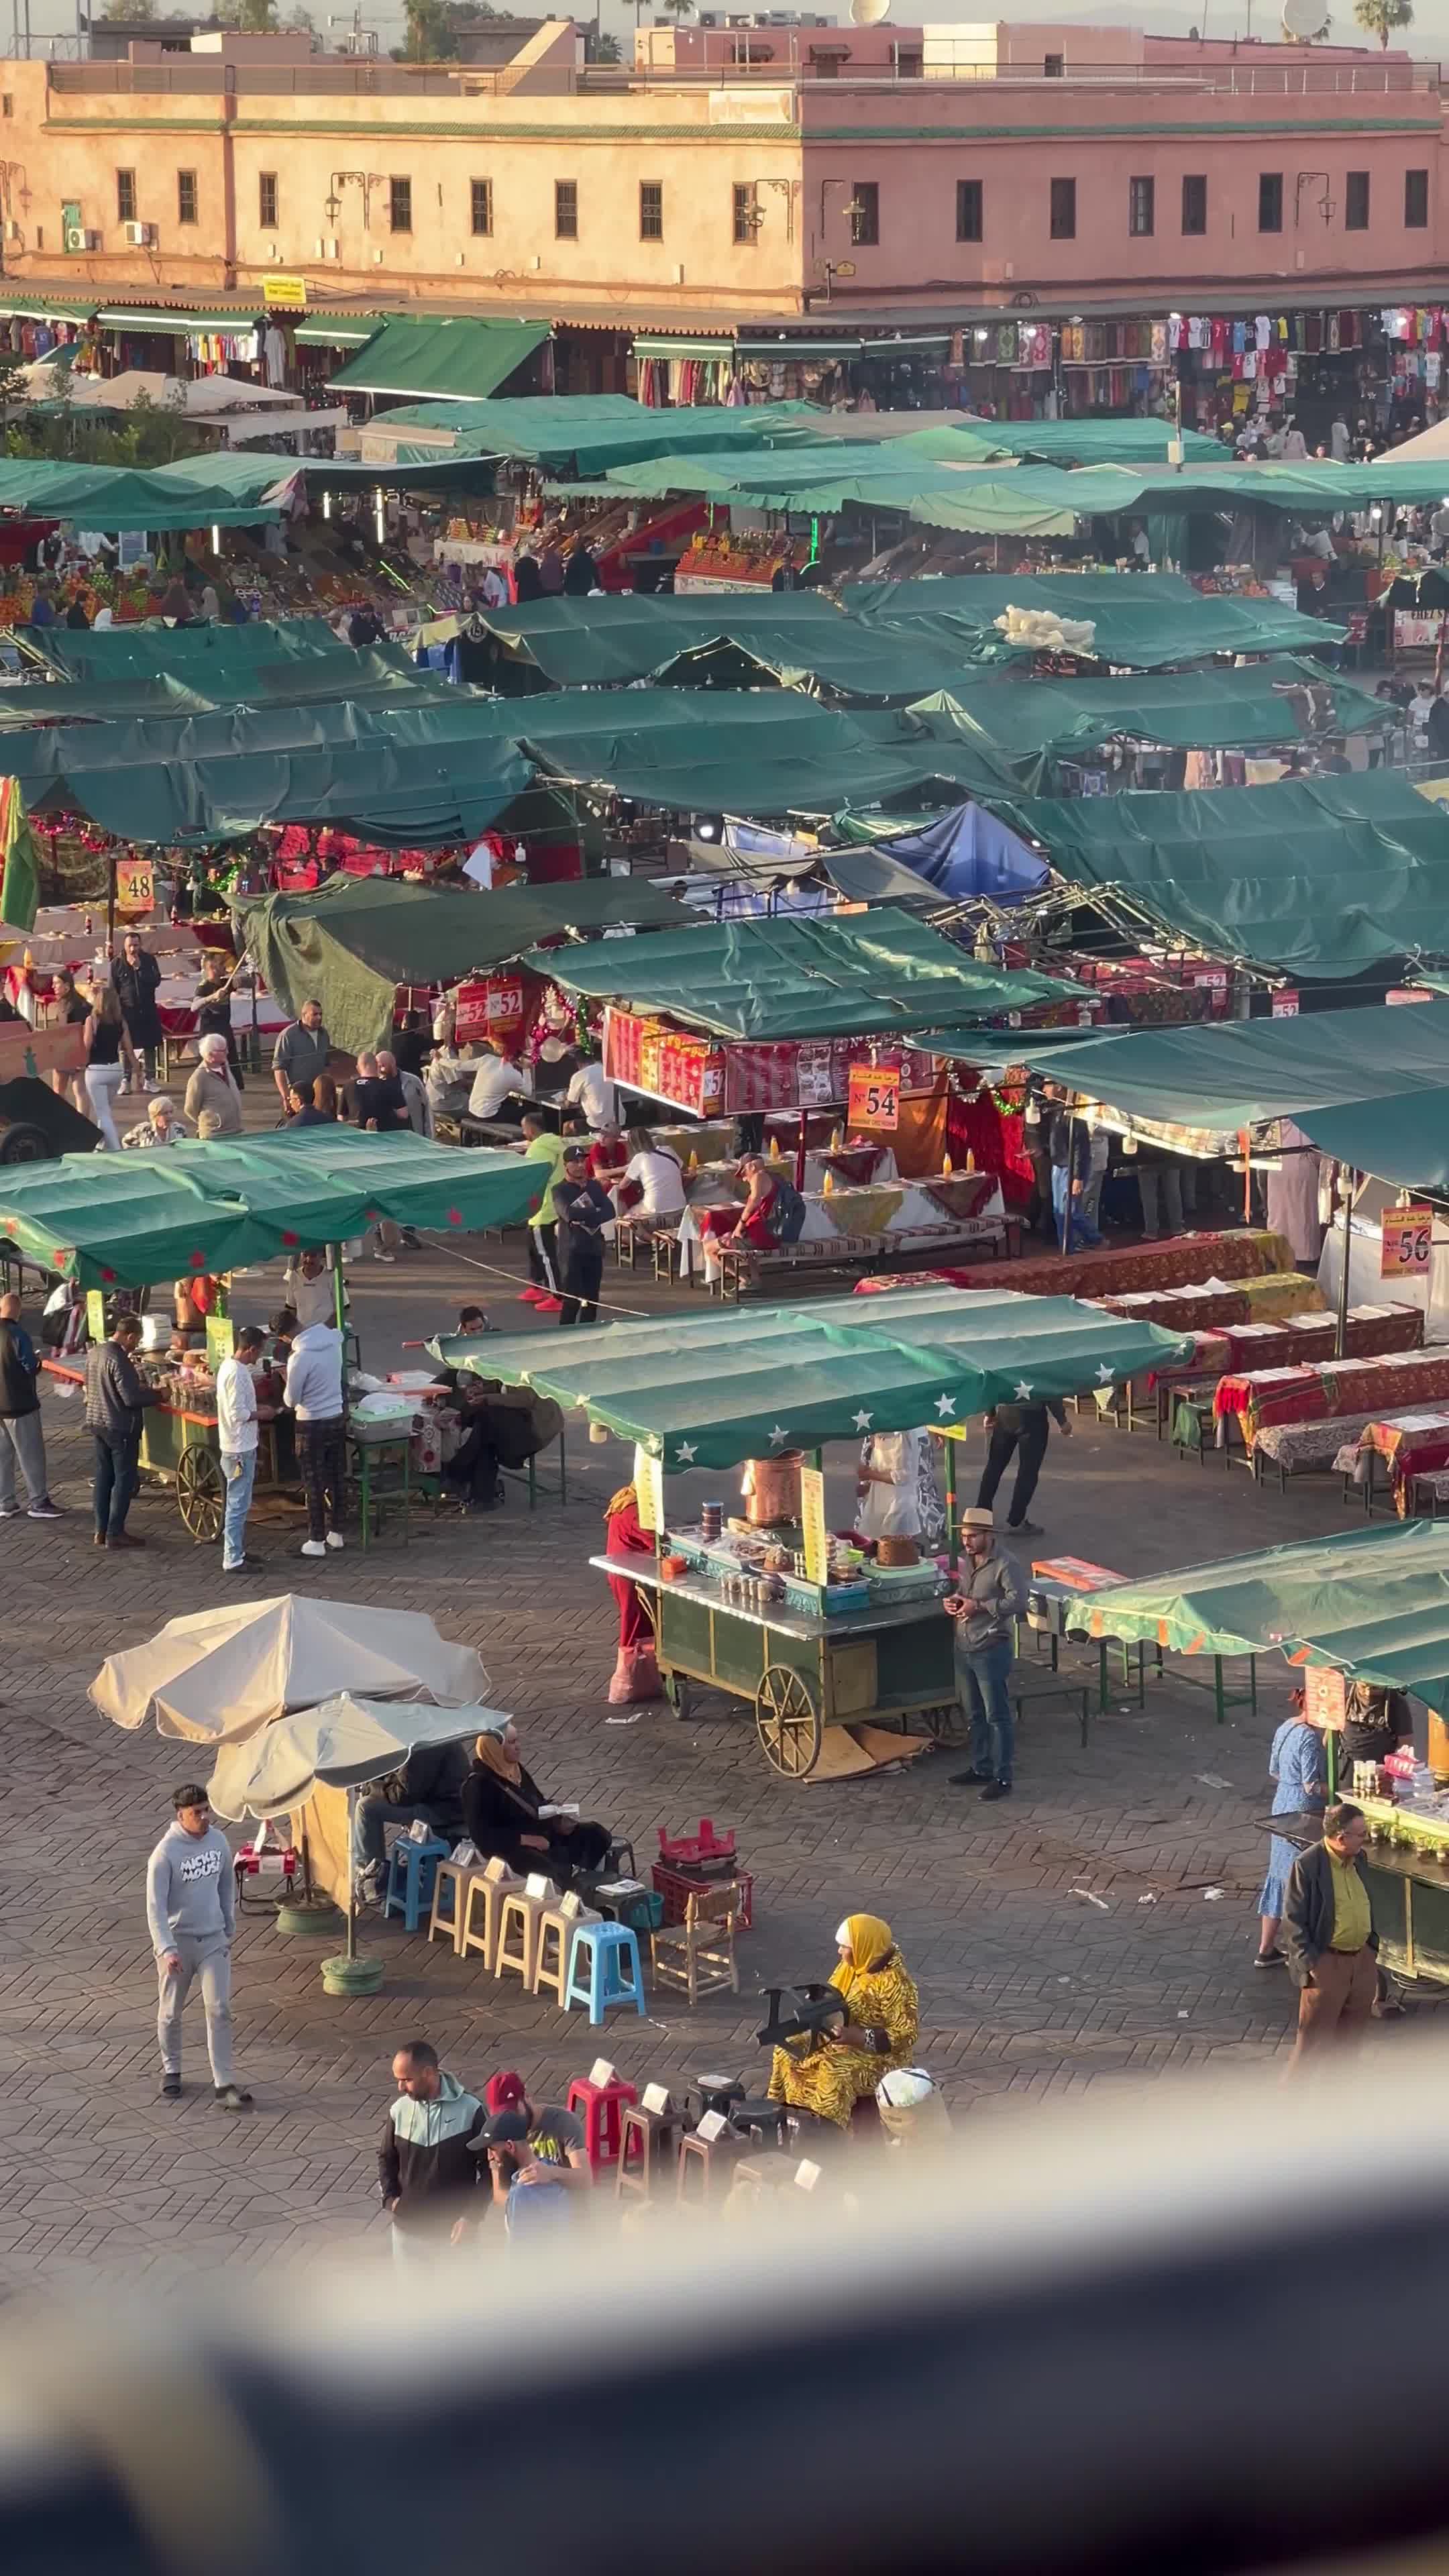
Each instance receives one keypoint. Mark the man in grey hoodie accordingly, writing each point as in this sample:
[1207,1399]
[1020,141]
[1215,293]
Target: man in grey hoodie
[191,1914]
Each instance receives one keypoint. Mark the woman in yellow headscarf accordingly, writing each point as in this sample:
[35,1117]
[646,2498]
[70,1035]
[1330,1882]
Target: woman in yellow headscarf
[830,2074]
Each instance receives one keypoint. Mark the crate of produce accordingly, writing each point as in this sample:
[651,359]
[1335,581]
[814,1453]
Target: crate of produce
[676,1886]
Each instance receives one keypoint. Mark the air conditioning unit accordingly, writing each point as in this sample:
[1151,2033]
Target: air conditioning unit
[75,238]
[138,236]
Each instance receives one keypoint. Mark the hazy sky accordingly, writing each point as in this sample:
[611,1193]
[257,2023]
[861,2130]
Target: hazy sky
[1428,37]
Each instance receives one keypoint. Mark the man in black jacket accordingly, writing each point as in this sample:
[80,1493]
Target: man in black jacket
[1024,1429]
[116,1398]
[429,2182]
[21,1436]
[428,1789]
[584,1208]
[1329,1924]
[136,975]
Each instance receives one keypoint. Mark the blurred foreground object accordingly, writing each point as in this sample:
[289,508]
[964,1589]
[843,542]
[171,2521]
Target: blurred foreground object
[1061,2319]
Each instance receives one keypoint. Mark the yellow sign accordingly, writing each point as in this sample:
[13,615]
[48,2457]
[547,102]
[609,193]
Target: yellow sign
[812,1518]
[290,293]
[95,1315]
[874,1097]
[219,1342]
[1407,1245]
[135,885]
[649,1487]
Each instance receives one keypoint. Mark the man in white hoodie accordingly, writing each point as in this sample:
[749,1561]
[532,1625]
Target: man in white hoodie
[314,1393]
[191,1917]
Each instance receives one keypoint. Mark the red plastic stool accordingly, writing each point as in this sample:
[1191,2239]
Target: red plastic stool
[601,2105]
[688,1851]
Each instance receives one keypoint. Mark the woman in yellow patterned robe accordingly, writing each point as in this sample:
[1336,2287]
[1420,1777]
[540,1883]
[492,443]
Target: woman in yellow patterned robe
[829,2075]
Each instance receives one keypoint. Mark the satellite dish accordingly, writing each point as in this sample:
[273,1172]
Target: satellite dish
[1303,20]
[869,13]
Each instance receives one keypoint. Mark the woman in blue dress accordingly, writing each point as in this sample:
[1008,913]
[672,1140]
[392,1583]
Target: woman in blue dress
[1299,1773]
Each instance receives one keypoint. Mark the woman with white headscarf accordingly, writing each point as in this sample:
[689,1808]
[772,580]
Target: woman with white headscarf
[212,1087]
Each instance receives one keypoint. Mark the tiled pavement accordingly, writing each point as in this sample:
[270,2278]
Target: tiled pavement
[1028,1986]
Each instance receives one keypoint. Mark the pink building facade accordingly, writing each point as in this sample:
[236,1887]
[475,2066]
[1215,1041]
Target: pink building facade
[918,201]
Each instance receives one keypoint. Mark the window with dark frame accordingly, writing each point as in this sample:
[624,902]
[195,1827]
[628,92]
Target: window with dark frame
[651,210]
[970,209]
[745,214]
[1141,207]
[1416,199]
[1356,202]
[566,209]
[864,214]
[1270,201]
[186,196]
[1054,67]
[1194,203]
[1064,210]
[480,205]
[400,205]
[125,196]
[267,200]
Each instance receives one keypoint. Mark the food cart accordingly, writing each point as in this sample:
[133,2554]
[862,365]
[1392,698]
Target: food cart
[134,1221]
[770,1610]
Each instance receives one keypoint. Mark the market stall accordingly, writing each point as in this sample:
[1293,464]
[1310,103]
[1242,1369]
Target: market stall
[766,1609]
[1371,1606]
[201,1211]
[1188,1260]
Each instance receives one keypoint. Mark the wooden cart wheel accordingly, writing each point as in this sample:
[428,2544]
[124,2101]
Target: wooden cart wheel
[787,1722]
[676,1691]
[200,1490]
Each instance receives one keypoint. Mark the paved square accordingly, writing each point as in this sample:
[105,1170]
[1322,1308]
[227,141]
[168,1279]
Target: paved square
[1027,1983]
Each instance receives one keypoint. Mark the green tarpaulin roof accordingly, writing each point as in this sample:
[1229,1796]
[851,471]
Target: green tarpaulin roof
[154,652]
[352,942]
[872,974]
[162,320]
[1221,1079]
[406,775]
[463,358]
[138,1218]
[594,432]
[1374,1602]
[377,674]
[709,1392]
[740,752]
[795,634]
[1261,705]
[436,770]
[1143,620]
[221,490]
[1312,877]
[1067,442]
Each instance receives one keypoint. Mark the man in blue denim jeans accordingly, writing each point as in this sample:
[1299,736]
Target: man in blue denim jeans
[237,1416]
[990,1594]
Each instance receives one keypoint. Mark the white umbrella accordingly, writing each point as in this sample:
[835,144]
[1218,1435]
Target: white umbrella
[346,1742]
[220,1674]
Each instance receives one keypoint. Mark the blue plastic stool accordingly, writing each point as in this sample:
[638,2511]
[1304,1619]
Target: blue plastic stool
[596,1959]
[411,1870]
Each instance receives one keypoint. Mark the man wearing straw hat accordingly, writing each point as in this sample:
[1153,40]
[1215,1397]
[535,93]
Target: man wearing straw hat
[990,1596]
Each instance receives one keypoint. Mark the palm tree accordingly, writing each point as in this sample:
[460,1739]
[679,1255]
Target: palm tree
[1380,17]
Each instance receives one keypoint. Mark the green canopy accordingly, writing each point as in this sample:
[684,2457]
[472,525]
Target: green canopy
[1065,442]
[873,973]
[797,635]
[354,940]
[218,490]
[1310,489]
[462,357]
[378,674]
[1312,877]
[1374,1602]
[592,432]
[1236,1075]
[1263,704]
[1145,621]
[134,1219]
[410,775]
[180,652]
[710,1391]
[740,752]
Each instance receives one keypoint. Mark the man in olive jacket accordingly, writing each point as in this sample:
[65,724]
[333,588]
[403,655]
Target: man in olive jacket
[1332,1944]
